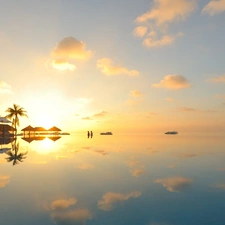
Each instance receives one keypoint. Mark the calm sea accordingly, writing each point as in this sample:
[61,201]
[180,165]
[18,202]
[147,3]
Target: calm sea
[113,180]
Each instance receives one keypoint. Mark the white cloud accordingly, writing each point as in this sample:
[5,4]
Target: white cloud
[62,65]
[109,199]
[69,49]
[214,7]
[167,11]
[108,68]
[5,88]
[174,81]
[175,184]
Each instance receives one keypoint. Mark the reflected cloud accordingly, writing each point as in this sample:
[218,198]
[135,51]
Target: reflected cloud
[73,217]
[175,184]
[110,199]
[220,186]
[174,81]
[138,172]
[102,152]
[108,68]
[4,180]
[63,203]
[86,166]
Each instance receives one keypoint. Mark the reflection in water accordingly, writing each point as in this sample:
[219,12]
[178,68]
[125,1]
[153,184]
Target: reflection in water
[14,155]
[144,180]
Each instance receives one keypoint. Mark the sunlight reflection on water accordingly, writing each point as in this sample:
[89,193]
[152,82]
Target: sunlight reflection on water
[118,179]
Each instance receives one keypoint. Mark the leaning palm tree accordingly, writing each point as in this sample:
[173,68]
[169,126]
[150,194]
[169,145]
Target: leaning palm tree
[14,156]
[14,113]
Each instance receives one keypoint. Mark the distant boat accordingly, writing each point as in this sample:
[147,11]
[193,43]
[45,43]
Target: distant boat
[106,133]
[171,132]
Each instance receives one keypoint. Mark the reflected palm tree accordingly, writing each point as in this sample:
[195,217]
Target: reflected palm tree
[14,113]
[14,156]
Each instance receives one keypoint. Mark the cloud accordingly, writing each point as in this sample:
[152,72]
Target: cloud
[86,118]
[140,31]
[153,42]
[108,68]
[175,184]
[5,88]
[214,7]
[174,81]
[101,152]
[69,49]
[220,186]
[73,217]
[137,172]
[158,18]
[110,199]
[4,180]
[219,79]
[102,113]
[85,166]
[63,203]
[167,11]
[62,65]
[186,109]
[136,93]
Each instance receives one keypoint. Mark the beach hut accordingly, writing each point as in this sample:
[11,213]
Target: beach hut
[27,130]
[6,130]
[40,130]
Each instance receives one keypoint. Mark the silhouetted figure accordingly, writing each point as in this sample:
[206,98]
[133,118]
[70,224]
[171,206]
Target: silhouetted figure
[91,134]
[88,134]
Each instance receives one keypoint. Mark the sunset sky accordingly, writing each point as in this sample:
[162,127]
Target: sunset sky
[121,66]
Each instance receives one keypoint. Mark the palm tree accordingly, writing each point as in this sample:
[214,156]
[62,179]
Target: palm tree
[14,156]
[14,113]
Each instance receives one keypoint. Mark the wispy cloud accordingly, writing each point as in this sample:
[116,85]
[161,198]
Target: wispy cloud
[5,88]
[174,81]
[140,31]
[4,180]
[63,203]
[136,93]
[175,184]
[108,68]
[110,199]
[214,7]
[68,50]
[86,166]
[158,18]
[187,109]
[169,99]
[167,11]
[100,114]
[218,79]
[101,152]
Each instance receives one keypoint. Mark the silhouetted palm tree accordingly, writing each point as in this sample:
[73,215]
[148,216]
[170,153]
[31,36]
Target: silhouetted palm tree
[14,113]
[14,155]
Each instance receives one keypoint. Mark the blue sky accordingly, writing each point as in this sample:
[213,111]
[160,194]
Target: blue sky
[100,64]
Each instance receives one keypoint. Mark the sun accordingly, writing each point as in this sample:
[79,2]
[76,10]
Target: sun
[45,121]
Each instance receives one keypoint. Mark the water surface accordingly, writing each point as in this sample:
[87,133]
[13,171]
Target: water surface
[114,180]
